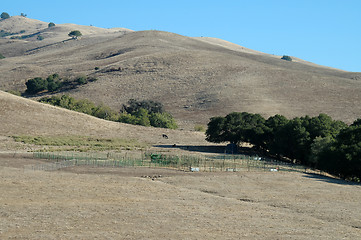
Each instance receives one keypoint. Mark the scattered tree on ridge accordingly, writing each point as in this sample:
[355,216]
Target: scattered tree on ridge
[51,24]
[75,34]
[4,15]
[287,58]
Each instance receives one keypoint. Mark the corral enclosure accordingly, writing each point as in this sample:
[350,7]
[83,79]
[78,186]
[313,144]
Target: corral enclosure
[87,202]
[204,163]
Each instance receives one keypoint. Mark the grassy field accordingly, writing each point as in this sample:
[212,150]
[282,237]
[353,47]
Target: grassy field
[120,203]
[80,143]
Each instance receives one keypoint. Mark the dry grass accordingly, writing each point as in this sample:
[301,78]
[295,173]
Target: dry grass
[24,117]
[107,203]
[195,78]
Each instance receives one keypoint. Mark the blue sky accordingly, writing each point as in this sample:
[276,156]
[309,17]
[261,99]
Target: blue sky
[326,32]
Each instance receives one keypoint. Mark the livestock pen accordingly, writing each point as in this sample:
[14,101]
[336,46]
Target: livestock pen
[206,163]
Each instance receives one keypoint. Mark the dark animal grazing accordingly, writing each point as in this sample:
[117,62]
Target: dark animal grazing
[165,136]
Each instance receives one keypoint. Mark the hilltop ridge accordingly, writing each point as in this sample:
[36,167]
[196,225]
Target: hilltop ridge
[194,77]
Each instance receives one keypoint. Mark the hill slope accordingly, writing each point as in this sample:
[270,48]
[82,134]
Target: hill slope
[195,78]
[21,116]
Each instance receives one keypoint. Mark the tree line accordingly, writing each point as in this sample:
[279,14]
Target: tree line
[318,142]
[145,113]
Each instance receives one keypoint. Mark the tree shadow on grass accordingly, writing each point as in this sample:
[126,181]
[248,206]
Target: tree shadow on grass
[327,179]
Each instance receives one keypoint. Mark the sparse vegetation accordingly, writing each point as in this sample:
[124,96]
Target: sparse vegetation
[51,24]
[199,128]
[4,15]
[287,58]
[318,142]
[75,34]
[5,34]
[40,37]
[14,92]
[2,56]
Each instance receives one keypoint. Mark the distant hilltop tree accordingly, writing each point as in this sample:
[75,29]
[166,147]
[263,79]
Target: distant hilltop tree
[5,15]
[51,24]
[75,34]
[287,58]
[23,15]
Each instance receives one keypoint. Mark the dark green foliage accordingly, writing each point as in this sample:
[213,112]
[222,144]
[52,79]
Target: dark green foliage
[287,58]
[343,156]
[82,80]
[54,83]
[357,122]
[40,38]
[215,130]
[4,15]
[36,85]
[317,142]
[236,128]
[140,117]
[162,120]
[5,34]
[134,105]
[75,34]
[1,56]
[23,15]
[51,24]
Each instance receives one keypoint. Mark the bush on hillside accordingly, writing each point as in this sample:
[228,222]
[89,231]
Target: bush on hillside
[134,105]
[75,34]
[36,85]
[1,56]
[287,58]
[54,83]
[51,24]
[4,15]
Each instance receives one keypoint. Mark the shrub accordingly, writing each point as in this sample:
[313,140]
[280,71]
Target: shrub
[5,15]
[51,24]
[1,56]
[14,92]
[287,58]
[82,80]
[162,120]
[151,106]
[36,85]
[40,38]
[199,128]
[75,34]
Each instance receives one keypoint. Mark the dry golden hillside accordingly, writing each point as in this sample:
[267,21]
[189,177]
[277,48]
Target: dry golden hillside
[20,116]
[195,78]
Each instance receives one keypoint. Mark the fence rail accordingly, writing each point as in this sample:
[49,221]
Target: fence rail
[212,163]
